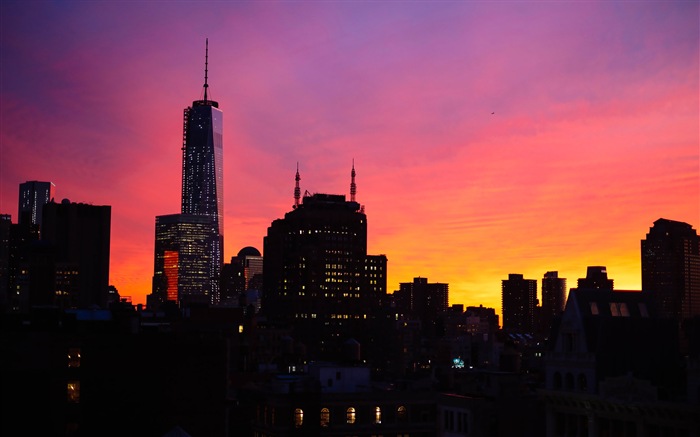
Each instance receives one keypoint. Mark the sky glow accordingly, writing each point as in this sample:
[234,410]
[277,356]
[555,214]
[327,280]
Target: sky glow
[489,137]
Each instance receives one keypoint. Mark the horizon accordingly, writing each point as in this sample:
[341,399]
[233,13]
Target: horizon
[488,139]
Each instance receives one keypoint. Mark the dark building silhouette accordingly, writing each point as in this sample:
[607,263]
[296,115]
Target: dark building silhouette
[5,227]
[596,279]
[614,368]
[33,195]
[671,268]
[241,279]
[317,272]
[75,240]
[202,195]
[519,299]
[553,299]
[182,265]
[422,300]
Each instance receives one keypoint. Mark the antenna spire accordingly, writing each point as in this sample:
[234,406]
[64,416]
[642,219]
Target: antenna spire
[353,187]
[206,68]
[297,190]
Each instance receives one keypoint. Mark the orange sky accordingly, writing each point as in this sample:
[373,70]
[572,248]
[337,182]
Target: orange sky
[594,136]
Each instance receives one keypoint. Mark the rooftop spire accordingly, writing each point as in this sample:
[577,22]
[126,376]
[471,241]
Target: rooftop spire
[206,68]
[297,190]
[353,187]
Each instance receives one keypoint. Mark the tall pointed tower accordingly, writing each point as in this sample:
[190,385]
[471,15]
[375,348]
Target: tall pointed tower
[202,172]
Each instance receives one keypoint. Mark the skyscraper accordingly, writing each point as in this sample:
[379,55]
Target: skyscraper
[202,170]
[78,236]
[553,298]
[671,268]
[33,195]
[316,266]
[519,299]
[189,246]
[426,301]
[183,268]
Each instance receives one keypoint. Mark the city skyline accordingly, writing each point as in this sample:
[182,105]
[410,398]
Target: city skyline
[488,139]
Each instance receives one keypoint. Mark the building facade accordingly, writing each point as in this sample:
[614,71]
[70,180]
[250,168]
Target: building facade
[519,299]
[553,299]
[33,195]
[671,268]
[74,256]
[317,274]
[183,268]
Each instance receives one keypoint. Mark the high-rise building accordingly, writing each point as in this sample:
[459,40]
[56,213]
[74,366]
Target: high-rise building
[553,298]
[596,279]
[671,268]
[316,266]
[197,273]
[33,195]
[423,300]
[183,268]
[77,240]
[241,279]
[519,299]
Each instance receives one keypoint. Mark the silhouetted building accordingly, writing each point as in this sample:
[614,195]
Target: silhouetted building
[671,268]
[615,368]
[553,299]
[75,239]
[334,400]
[519,299]
[241,280]
[183,268]
[422,300]
[5,227]
[316,269]
[596,279]
[481,320]
[33,195]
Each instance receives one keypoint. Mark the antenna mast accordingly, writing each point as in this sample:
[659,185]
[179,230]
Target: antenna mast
[353,187]
[206,69]
[297,190]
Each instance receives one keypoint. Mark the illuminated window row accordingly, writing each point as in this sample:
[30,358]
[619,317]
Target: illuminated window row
[350,416]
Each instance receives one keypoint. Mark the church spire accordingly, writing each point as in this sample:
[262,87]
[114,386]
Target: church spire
[297,190]
[353,187]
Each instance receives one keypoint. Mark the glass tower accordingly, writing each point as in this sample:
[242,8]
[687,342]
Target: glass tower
[202,175]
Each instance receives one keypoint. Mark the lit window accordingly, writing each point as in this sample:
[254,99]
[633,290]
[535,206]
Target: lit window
[377,415]
[298,417]
[74,357]
[73,389]
[325,417]
[350,415]
[401,413]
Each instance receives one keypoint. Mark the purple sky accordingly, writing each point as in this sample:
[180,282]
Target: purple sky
[595,133]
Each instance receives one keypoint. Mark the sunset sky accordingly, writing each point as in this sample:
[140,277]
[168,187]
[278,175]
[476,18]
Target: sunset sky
[488,137]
